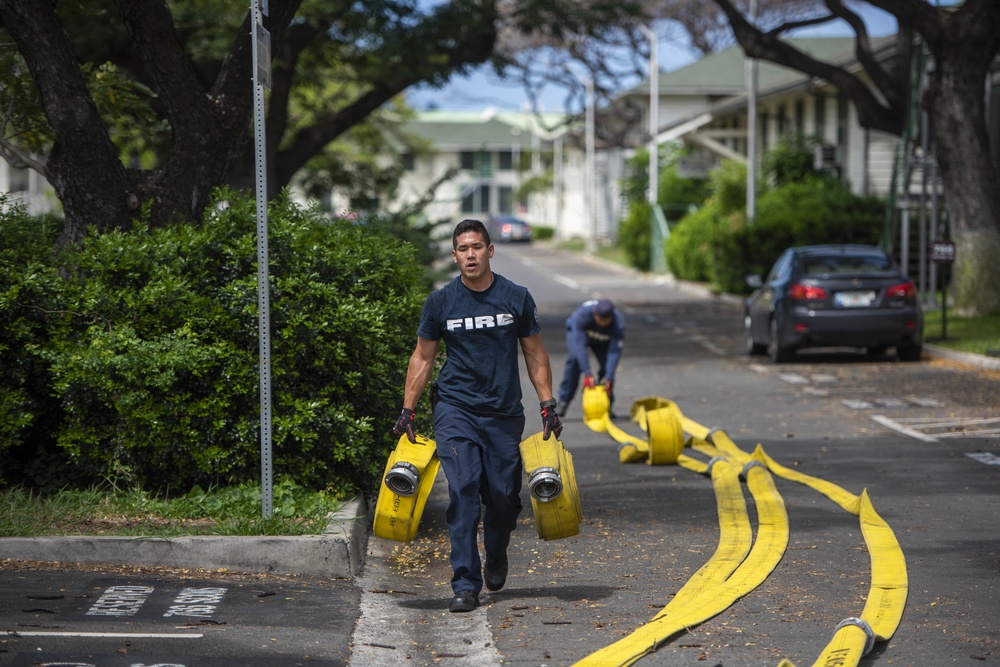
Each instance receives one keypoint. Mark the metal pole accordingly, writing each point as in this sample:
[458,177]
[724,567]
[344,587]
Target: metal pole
[263,292]
[922,235]
[591,180]
[557,168]
[654,112]
[935,233]
[904,233]
[751,83]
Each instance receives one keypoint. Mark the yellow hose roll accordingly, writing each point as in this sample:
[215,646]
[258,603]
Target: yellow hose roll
[596,408]
[555,500]
[406,482]
[666,436]
[647,403]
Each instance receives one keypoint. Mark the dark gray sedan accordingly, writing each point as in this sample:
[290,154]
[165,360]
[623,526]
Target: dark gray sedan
[507,228]
[834,296]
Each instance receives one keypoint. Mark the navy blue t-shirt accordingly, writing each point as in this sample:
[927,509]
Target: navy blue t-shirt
[481,332]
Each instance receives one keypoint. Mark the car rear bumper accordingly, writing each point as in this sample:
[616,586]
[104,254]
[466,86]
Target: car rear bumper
[853,328]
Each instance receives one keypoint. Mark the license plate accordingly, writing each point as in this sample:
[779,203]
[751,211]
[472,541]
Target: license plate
[854,299]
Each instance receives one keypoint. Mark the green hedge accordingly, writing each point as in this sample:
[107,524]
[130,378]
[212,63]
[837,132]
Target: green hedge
[634,235]
[811,211]
[716,245]
[147,343]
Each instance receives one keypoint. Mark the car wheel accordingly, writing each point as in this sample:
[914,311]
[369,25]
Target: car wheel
[752,347]
[909,351]
[778,352]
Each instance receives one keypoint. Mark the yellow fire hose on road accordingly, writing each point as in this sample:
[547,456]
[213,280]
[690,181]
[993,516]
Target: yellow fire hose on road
[736,568]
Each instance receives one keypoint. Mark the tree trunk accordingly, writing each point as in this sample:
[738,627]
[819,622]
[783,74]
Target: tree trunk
[83,166]
[955,98]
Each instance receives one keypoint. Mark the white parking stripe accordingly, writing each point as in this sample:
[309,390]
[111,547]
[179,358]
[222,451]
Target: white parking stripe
[896,426]
[116,635]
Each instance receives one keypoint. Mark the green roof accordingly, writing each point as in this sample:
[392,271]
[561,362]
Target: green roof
[724,73]
[479,129]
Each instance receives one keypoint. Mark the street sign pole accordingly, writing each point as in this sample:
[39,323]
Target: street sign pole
[261,48]
[943,254]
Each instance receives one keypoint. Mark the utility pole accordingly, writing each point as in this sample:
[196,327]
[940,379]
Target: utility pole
[654,111]
[751,83]
[591,180]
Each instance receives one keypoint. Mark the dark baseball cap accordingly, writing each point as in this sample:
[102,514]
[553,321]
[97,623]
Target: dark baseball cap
[604,308]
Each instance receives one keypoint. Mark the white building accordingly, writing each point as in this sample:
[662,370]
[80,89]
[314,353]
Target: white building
[28,188]
[495,156]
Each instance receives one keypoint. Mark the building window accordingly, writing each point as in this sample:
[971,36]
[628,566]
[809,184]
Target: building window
[842,113]
[505,160]
[819,118]
[765,121]
[782,120]
[476,198]
[505,199]
[364,204]
[409,161]
[480,162]
[19,180]
[800,117]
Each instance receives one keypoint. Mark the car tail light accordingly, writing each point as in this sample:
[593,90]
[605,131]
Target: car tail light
[902,290]
[801,292]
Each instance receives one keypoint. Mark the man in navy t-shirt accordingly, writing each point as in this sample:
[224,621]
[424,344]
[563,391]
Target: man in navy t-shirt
[595,325]
[483,319]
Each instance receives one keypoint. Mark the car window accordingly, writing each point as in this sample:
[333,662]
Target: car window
[779,267]
[846,264]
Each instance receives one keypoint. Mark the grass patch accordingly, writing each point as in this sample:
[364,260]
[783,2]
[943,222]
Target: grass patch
[978,335]
[110,510]
[611,253]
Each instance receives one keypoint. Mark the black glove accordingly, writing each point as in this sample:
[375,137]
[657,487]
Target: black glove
[550,420]
[405,425]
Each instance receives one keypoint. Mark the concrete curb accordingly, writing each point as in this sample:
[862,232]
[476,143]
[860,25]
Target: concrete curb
[336,554]
[978,360]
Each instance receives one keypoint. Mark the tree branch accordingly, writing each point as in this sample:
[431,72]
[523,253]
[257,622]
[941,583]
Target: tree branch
[150,28]
[872,113]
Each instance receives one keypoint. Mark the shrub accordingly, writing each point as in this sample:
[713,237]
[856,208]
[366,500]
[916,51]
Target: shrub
[29,303]
[810,211]
[542,232]
[634,235]
[154,359]
[689,247]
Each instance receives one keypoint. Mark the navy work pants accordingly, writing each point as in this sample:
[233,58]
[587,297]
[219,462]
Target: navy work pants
[481,458]
[572,370]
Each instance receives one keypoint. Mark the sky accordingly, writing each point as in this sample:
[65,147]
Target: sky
[483,89]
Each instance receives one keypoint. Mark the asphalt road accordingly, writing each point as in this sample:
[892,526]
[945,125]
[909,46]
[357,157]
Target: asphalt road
[860,422]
